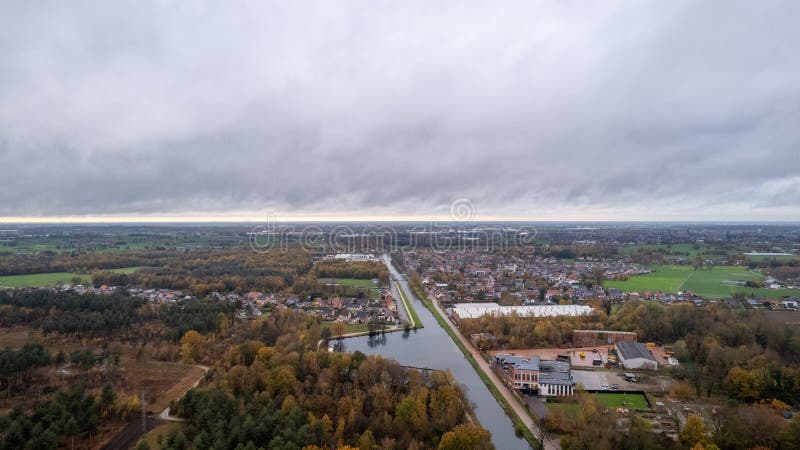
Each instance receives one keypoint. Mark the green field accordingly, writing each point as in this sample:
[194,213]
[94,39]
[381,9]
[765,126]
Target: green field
[352,282]
[707,283]
[52,278]
[622,400]
[373,288]
[607,399]
[356,328]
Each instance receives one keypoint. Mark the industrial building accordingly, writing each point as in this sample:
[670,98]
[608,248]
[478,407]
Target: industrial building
[532,375]
[634,355]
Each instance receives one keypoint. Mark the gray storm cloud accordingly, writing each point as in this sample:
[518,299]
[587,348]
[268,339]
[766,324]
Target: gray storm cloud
[533,109]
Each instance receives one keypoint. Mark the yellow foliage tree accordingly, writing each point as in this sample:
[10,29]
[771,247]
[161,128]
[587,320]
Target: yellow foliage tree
[466,436]
[127,406]
[694,432]
[192,346]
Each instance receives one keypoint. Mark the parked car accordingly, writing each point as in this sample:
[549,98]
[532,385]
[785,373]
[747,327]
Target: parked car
[614,387]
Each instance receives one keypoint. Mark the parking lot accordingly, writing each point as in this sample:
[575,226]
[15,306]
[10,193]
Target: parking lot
[595,379]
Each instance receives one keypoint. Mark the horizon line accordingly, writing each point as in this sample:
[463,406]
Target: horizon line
[66,220]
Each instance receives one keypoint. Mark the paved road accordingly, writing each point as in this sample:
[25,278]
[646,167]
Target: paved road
[131,434]
[504,391]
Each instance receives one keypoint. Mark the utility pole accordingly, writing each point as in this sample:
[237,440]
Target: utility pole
[144,416]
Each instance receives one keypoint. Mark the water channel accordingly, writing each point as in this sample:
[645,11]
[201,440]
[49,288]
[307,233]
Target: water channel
[432,347]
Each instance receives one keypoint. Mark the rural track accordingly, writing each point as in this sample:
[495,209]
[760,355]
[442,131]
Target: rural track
[165,413]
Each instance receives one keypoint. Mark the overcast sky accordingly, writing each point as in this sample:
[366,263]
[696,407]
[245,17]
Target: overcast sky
[531,110]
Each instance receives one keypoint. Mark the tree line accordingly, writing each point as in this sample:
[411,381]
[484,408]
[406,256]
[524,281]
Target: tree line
[114,316]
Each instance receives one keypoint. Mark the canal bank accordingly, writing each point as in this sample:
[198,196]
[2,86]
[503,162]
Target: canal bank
[432,347]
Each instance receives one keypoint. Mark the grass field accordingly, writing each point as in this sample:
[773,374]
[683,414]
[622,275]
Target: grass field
[372,288]
[707,283]
[568,408]
[622,400]
[52,278]
[607,399]
[356,328]
[353,282]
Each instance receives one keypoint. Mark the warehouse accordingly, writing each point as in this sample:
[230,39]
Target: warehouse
[634,355]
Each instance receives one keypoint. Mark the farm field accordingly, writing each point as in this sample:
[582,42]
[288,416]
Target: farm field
[707,283]
[762,258]
[52,278]
[675,252]
[662,278]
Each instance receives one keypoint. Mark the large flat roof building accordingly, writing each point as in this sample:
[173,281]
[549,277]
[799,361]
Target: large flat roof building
[634,355]
[476,310]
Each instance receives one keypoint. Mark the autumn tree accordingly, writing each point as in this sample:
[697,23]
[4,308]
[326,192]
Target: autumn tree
[694,432]
[338,328]
[192,347]
[466,436]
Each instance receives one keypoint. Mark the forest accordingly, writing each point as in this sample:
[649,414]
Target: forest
[275,390]
[235,269]
[119,316]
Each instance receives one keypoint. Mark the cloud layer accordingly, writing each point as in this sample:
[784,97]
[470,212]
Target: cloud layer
[677,110]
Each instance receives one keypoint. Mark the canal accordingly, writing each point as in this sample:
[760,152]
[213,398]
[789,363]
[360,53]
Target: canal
[432,347]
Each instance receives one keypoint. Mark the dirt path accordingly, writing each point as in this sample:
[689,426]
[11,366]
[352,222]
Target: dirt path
[132,433]
[165,413]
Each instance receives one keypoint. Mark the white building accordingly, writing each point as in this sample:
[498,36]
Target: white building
[354,257]
[476,310]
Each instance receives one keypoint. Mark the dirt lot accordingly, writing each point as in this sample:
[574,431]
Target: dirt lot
[16,337]
[660,355]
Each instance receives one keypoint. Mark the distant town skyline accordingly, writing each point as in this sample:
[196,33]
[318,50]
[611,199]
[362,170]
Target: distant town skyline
[149,111]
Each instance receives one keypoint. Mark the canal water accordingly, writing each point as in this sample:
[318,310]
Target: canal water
[432,347]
